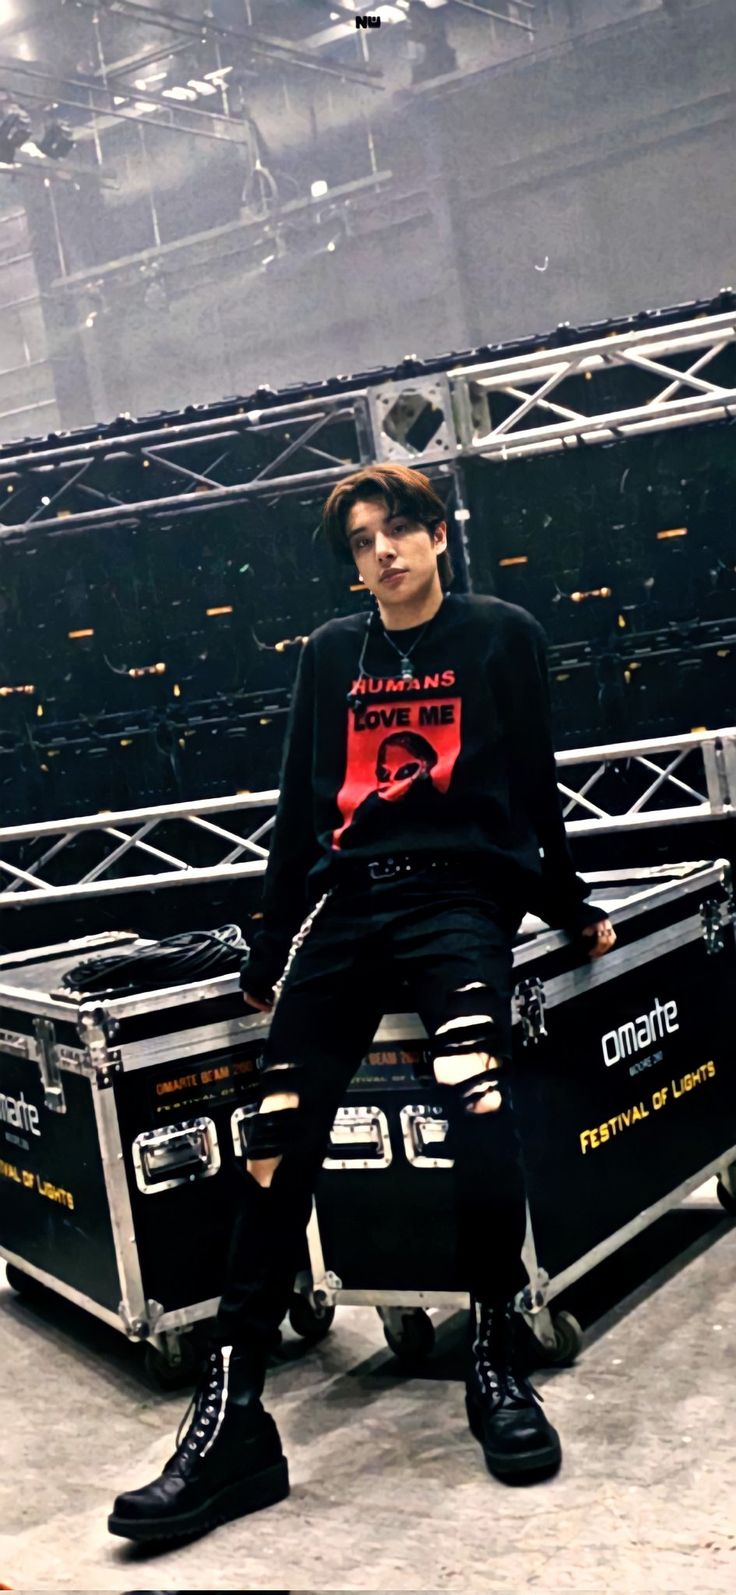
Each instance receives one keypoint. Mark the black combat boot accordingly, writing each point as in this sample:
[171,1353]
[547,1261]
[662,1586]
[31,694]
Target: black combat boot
[503,1409]
[228,1461]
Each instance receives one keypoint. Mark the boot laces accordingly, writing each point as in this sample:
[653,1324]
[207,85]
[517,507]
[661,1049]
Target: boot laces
[494,1360]
[201,1414]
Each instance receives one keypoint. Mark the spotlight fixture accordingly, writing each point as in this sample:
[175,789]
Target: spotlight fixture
[15,128]
[57,141]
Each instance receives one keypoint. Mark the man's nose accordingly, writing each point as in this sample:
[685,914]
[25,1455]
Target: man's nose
[383,546]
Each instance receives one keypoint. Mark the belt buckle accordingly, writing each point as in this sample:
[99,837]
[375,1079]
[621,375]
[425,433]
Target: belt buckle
[383,869]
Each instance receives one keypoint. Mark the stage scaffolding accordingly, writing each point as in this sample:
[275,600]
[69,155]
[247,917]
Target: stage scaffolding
[677,781]
[578,389]
[432,416]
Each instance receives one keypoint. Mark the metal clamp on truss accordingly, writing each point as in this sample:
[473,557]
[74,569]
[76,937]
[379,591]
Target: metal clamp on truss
[412,419]
[712,922]
[530,1000]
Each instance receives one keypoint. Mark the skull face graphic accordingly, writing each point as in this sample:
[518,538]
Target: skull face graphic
[403,759]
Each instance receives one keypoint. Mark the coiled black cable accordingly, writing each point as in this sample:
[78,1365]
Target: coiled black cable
[175,961]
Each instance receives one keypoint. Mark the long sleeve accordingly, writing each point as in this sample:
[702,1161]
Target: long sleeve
[294,846]
[560,897]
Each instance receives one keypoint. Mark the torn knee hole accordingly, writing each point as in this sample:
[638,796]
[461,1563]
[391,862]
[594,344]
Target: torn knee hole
[279,1102]
[464,1022]
[284,1098]
[477,1073]
[263,1169]
[483,1098]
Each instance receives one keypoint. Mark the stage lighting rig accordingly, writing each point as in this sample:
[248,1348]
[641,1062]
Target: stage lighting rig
[15,130]
[57,141]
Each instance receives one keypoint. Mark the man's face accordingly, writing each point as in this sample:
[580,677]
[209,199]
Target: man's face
[397,772]
[396,557]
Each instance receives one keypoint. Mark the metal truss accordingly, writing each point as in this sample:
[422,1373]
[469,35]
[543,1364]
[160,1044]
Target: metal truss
[697,772]
[508,408]
[254,445]
[270,444]
[127,835]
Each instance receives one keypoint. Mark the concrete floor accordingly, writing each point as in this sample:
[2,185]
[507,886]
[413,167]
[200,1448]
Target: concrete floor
[389,1490]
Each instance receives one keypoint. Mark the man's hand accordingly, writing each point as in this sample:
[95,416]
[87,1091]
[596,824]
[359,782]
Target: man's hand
[255,1002]
[602,936]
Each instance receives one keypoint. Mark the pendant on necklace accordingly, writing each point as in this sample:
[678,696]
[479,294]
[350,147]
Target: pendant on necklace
[406,672]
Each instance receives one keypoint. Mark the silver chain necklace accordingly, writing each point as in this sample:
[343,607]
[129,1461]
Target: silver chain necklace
[403,653]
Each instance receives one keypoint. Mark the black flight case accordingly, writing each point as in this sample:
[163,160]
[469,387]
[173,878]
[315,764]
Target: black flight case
[122,1123]
[624,1074]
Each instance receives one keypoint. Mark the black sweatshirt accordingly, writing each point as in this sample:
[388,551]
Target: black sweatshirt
[458,760]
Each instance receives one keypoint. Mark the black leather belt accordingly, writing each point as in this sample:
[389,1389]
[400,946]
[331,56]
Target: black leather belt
[358,872]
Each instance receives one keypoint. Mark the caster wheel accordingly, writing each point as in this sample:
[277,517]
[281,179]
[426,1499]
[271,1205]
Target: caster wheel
[568,1340]
[409,1333]
[567,1346]
[166,1375]
[725,1197]
[22,1284]
[312,1323]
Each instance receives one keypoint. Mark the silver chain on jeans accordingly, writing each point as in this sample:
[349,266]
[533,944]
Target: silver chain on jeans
[298,941]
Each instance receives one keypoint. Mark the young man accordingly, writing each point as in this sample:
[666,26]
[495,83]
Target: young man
[417,786]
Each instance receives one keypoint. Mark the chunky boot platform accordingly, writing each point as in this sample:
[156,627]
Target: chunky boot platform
[228,1461]
[503,1409]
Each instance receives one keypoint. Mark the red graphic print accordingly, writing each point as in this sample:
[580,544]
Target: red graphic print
[393,747]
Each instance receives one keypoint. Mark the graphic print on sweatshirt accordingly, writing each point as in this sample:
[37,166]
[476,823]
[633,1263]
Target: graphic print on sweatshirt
[400,750]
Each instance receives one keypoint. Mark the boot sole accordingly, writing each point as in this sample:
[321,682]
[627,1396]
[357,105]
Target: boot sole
[542,1462]
[236,1500]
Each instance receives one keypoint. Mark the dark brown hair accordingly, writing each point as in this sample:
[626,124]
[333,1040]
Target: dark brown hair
[404,491]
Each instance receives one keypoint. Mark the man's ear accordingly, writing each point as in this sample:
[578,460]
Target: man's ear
[441,530]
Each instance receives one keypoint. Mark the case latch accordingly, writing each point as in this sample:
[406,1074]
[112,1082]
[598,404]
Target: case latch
[97,1029]
[710,915]
[48,1064]
[530,1000]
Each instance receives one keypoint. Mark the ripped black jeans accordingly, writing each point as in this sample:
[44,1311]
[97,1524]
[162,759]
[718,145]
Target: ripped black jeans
[453,946]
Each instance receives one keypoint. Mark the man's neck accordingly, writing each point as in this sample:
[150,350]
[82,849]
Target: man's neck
[401,617]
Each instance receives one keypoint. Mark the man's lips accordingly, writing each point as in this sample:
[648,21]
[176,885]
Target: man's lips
[390,575]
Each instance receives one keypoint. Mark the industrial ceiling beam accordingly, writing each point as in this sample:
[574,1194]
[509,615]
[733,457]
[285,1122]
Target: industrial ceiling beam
[91,87]
[273,49]
[291,210]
